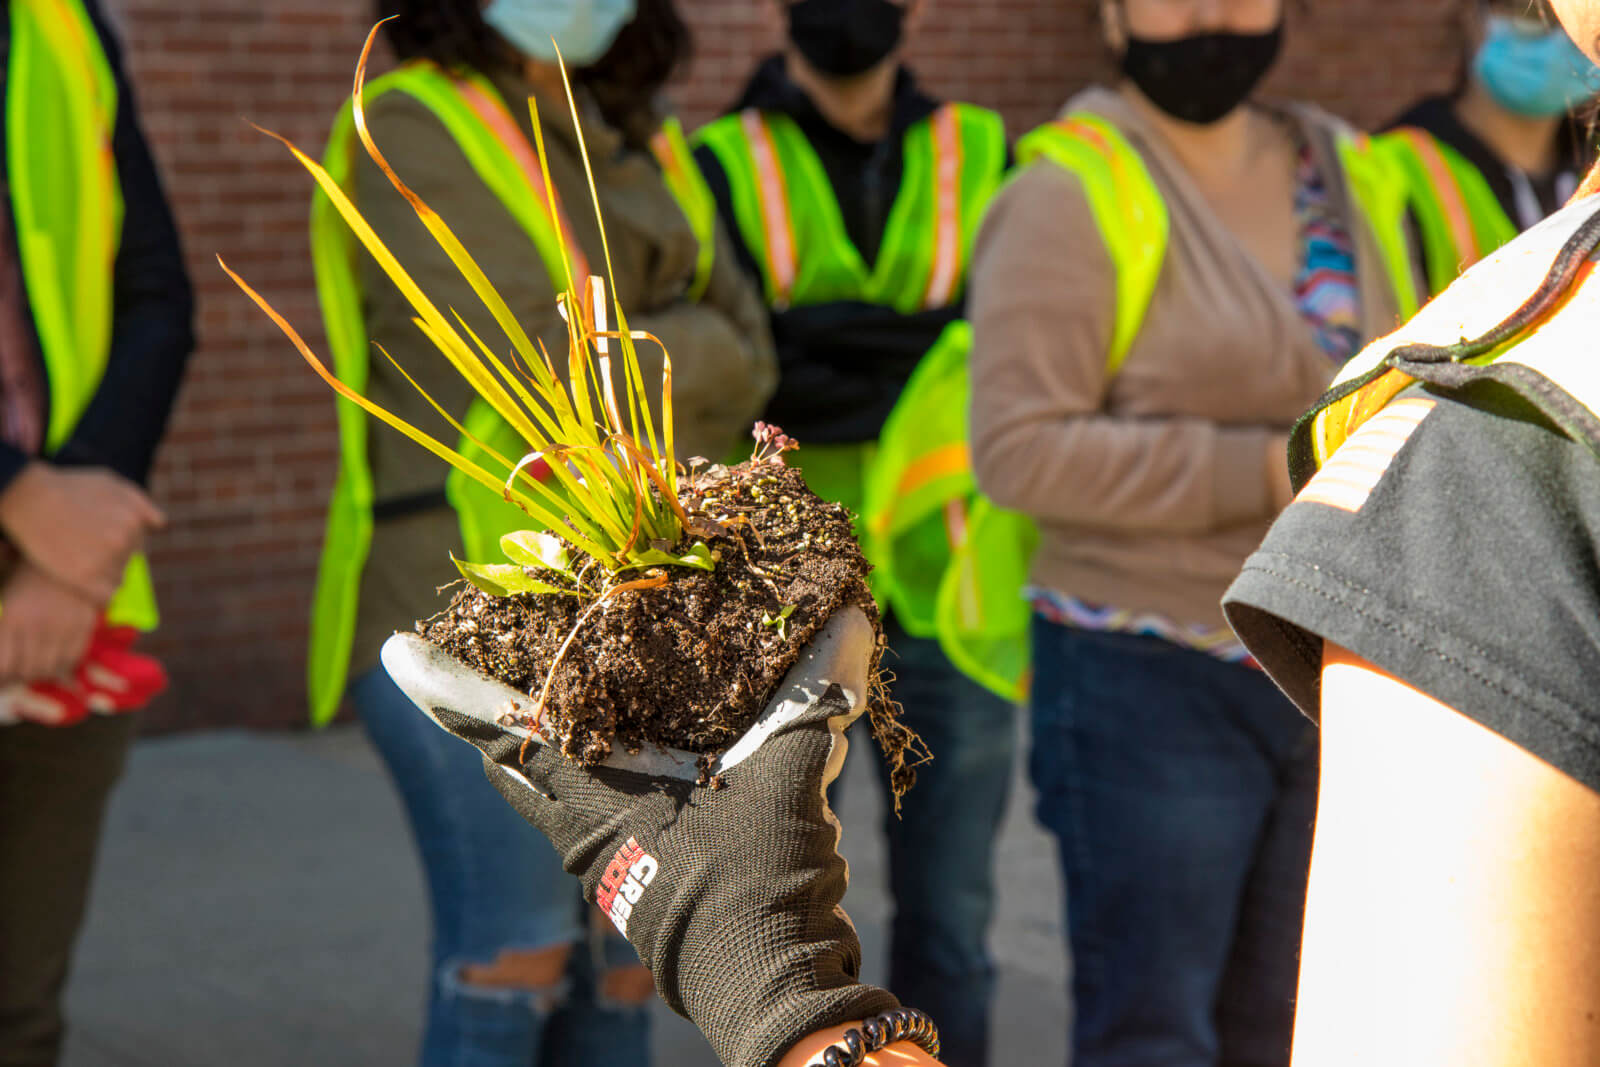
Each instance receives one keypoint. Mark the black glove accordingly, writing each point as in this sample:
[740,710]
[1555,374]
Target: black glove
[730,895]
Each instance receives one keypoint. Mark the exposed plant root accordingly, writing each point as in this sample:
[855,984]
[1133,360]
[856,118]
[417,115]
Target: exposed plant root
[903,749]
[687,663]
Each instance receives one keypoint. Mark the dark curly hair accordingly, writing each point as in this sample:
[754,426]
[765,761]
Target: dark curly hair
[649,50]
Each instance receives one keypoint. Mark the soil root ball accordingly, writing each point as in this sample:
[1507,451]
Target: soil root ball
[693,663]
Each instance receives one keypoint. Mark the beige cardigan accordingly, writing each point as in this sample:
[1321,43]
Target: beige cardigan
[1150,487]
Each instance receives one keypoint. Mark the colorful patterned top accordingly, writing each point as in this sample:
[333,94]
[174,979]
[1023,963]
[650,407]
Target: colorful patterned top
[1325,287]
[1327,296]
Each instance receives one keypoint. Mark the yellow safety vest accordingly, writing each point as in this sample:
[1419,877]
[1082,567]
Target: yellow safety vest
[61,108]
[1555,351]
[1459,218]
[481,123]
[790,220]
[979,614]
[921,499]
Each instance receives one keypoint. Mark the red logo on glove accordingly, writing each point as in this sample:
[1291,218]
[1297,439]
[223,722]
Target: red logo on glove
[624,882]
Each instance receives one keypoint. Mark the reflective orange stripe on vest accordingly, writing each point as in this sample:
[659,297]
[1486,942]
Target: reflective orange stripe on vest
[942,462]
[83,50]
[494,114]
[954,458]
[946,269]
[779,227]
[1456,215]
[1090,134]
[778,224]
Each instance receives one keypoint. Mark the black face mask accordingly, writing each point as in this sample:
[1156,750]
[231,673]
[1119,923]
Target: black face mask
[844,38]
[1200,79]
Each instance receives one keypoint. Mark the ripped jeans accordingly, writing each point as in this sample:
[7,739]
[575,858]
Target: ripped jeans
[495,884]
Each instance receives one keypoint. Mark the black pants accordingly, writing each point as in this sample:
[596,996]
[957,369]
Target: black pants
[54,782]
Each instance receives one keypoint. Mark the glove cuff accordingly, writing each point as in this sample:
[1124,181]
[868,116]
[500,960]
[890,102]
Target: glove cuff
[786,1022]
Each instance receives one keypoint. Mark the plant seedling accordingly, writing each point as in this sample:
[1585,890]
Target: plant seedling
[605,495]
[688,560]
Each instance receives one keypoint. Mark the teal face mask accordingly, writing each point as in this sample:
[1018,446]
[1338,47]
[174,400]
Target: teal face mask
[584,29]
[1539,73]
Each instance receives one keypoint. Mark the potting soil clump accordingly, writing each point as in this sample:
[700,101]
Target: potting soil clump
[692,663]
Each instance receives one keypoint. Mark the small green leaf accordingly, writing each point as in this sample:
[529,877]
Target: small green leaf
[537,548]
[780,622]
[506,579]
[699,556]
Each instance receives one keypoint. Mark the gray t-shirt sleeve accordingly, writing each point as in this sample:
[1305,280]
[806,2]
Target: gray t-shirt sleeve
[1454,547]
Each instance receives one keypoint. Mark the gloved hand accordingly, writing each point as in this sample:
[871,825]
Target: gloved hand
[730,895]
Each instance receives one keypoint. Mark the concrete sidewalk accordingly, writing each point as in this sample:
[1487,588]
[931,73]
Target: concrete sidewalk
[259,904]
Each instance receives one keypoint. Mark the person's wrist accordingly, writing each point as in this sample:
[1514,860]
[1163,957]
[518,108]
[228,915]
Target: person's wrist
[16,493]
[809,1049]
[812,1050]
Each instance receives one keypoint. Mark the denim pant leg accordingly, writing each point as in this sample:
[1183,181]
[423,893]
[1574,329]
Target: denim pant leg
[494,883]
[941,847]
[1255,1025]
[589,1028]
[1173,782]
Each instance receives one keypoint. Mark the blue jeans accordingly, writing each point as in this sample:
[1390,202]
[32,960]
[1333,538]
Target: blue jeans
[941,848]
[1182,791]
[495,883]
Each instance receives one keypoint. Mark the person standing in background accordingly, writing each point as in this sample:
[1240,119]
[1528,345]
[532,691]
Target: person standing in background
[95,328]
[853,197]
[1504,150]
[1176,274]
[518,975]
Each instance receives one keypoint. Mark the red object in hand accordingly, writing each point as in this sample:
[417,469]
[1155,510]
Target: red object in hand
[110,680]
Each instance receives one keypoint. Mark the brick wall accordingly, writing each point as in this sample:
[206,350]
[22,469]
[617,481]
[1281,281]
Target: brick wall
[250,455]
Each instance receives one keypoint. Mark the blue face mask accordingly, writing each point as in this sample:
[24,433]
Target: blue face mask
[1538,74]
[583,28]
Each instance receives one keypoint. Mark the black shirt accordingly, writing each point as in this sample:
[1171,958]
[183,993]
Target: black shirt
[152,304]
[1471,571]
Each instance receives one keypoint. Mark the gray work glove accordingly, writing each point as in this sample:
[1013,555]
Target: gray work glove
[730,895]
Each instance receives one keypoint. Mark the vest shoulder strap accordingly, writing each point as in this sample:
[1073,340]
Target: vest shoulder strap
[980,125]
[1548,361]
[1128,209]
[778,187]
[1459,217]
[688,187]
[746,144]
[479,121]
[1380,192]
[65,197]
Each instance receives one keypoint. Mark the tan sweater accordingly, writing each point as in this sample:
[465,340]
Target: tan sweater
[1150,487]
[722,358]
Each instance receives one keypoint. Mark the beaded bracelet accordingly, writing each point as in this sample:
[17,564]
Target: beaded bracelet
[880,1031]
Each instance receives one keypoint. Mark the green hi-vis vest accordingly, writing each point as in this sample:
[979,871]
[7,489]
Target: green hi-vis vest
[1459,218]
[978,612]
[61,108]
[790,220]
[921,499]
[1550,363]
[482,125]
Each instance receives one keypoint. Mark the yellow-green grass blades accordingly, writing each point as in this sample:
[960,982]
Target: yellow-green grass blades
[610,490]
